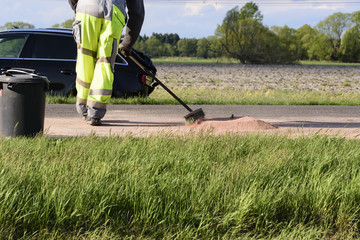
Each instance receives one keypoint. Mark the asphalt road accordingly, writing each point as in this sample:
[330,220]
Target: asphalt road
[123,119]
[218,111]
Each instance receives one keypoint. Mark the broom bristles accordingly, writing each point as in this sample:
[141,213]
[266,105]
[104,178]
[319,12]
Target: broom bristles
[194,115]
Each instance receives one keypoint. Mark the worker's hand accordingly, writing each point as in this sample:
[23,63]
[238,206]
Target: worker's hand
[125,51]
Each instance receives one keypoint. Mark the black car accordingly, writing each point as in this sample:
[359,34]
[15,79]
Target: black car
[52,52]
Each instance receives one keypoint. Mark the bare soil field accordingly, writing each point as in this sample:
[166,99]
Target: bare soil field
[331,78]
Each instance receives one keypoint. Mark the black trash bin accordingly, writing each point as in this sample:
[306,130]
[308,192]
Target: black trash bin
[22,102]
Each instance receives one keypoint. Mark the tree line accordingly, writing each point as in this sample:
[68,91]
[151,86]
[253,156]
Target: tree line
[171,45]
[243,36]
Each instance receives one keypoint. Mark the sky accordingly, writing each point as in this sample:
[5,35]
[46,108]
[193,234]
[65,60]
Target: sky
[188,18]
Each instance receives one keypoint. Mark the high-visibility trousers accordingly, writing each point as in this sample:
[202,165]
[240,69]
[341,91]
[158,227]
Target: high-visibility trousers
[98,43]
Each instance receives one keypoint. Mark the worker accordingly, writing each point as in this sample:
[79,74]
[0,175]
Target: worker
[97,31]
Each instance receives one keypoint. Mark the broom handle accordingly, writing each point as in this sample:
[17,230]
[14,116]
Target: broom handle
[134,56]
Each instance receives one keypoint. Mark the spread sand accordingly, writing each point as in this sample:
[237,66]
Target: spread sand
[231,124]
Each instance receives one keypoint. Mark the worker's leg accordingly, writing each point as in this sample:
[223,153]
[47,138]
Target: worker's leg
[102,85]
[86,32]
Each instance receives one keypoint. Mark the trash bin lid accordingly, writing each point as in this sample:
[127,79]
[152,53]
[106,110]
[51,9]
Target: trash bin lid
[20,75]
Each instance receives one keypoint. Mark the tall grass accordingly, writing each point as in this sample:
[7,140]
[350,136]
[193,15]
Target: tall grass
[180,187]
[231,97]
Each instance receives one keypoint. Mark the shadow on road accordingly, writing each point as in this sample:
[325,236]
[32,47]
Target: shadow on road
[125,123]
[310,124]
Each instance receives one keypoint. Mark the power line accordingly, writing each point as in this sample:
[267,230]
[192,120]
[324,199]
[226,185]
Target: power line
[259,2]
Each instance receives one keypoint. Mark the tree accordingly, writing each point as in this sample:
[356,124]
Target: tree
[321,48]
[202,48]
[333,27]
[172,38]
[187,47]
[251,10]
[289,48]
[168,50]
[355,18]
[350,43]
[313,44]
[66,24]
[158,44]
[305,37]
[11,25]
[153,47]
[215,50]
[242,35]
[140,45]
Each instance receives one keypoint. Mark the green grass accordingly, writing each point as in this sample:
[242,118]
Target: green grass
[180,187]
[258,97]
[231,97]
[327,63]
[192,60]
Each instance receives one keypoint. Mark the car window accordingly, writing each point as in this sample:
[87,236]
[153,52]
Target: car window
[50,47]
[10,46]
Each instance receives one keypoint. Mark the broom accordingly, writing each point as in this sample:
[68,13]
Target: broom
[193,115]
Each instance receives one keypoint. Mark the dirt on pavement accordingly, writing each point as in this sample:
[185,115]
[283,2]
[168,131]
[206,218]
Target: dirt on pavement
[112,126]
[230,124]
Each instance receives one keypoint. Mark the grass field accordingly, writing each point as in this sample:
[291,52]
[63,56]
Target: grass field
[171,187]
[189,60]
[328,63]
[232,97]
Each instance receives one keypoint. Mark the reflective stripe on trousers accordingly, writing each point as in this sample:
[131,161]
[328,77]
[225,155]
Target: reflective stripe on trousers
[98,42]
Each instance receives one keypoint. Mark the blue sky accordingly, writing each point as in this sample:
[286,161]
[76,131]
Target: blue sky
[188,18]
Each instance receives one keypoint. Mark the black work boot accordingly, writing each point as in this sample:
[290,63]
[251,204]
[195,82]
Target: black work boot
[82,109]
[94,121]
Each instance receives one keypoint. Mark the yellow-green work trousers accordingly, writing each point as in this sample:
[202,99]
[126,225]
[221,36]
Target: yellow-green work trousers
[98,43]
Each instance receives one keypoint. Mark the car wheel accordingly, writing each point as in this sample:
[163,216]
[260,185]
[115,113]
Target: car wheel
[144,92]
